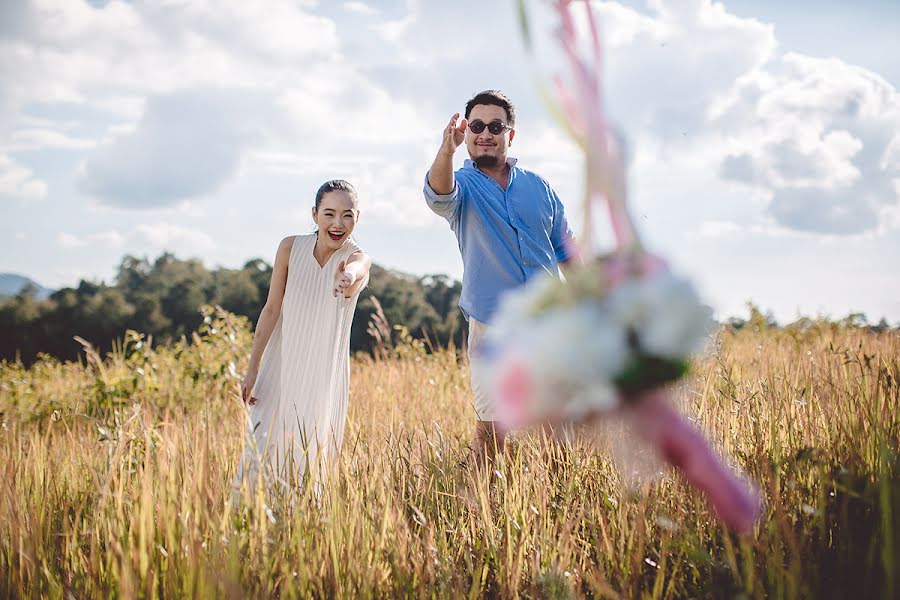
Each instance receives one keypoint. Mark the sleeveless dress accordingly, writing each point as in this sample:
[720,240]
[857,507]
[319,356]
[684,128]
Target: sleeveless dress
[296,427]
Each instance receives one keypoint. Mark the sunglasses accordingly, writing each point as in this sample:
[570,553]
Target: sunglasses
[495,127]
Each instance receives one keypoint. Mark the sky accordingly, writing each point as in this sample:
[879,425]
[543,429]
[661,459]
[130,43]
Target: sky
[764,137]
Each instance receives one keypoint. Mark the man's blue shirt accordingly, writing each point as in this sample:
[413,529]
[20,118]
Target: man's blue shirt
[505,237]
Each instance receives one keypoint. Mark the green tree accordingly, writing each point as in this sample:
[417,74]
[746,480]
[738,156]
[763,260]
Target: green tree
[237,292]
[162,298]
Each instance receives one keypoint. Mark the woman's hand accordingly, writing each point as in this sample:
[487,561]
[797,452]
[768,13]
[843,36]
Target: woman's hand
[343,279]
[247,387]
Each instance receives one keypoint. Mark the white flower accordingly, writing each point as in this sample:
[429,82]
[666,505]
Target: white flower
[570,353]
[682,324]
[580,345]
[598,397]
[628,303]
[665,313]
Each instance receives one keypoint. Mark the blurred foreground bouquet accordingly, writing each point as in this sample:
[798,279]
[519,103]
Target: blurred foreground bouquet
[620,326]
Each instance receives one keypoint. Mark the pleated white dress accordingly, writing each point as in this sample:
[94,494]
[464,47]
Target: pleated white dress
[297,424]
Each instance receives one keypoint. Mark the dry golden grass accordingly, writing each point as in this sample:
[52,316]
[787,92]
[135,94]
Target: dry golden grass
[117,475]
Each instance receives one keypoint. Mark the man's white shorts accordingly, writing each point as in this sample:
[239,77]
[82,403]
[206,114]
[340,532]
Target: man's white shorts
[485,410]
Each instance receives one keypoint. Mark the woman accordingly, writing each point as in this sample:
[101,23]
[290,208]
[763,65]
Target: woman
[298,379]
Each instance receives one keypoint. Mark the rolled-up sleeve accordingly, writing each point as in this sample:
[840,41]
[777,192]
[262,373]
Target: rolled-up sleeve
[561,236]
[445,205]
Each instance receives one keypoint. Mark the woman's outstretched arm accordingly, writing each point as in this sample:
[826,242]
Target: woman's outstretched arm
[351,275]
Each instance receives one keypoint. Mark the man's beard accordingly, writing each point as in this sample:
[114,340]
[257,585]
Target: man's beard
[486,161]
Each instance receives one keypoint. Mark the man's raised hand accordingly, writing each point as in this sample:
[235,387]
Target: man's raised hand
[454,134]
[440,175]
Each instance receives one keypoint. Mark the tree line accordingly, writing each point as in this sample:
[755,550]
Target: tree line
[162,298]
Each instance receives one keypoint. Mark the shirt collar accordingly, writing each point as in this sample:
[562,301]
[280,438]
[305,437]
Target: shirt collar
[470,164]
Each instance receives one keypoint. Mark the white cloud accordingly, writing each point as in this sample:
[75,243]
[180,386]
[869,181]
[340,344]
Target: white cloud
[40,139]
[111,56]
[18,181]
[392,30]
[126,106]
[186,144]
[668,68]
[360,8]
[69,241]
[890,161]
[715,229]
[315,166]
[821,144]
[154,237]
[110,239]
[390,189]
[167,236]
[813,135]
[163,69]
[391,192]
[621,25]
[346,110]
[549,152]
[104,239]
[282,30]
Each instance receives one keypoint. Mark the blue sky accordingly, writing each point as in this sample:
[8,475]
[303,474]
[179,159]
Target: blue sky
[764,136]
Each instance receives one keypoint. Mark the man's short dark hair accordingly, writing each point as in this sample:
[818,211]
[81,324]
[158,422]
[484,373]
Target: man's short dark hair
[497,98]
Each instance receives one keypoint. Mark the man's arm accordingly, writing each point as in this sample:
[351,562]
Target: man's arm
[441,189]
[440,175]
[561,236]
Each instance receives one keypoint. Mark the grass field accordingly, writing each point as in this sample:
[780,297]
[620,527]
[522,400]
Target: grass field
[117,475]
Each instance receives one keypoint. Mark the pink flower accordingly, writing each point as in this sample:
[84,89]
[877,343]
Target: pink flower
[514,393]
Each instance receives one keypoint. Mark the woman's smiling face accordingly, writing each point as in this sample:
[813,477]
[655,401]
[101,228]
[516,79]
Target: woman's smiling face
[336,217]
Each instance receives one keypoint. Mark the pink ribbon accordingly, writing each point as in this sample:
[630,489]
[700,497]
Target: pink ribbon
[583,109]
[685,448]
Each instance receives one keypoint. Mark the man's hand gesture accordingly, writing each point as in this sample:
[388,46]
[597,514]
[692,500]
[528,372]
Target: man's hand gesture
[440,175]
[454,135]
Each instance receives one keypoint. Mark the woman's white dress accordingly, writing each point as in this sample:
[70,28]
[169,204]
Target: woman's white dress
[297,424]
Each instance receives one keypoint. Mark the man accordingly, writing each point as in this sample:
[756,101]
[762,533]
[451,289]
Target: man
[510,224]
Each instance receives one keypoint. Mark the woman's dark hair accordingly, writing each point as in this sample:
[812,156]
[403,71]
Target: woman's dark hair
[497,98]
[335,185]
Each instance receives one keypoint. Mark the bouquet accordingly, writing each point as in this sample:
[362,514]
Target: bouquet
[620,327]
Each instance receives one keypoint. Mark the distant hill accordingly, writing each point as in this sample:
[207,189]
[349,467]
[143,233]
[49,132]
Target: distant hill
[11,284]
